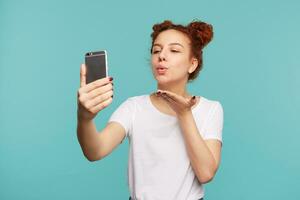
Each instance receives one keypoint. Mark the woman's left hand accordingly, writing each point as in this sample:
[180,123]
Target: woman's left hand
[181,105]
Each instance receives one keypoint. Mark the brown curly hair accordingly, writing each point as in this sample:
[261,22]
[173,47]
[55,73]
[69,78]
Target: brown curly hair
[199,33]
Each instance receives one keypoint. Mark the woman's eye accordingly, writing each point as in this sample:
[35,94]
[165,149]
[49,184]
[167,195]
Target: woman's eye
[173,50]
[155,51]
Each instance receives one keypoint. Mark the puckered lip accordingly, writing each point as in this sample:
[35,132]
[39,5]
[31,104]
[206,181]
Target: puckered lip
[161,67]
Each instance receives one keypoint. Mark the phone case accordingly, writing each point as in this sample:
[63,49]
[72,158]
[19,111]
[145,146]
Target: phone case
[96,65]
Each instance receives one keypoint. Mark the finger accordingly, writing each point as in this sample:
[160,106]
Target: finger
[84,97]
[98,91]
[169,99]
[169,96]
[172,95]
[101,106]
[178,100]
[189,101]
[99,99]
[96,84]
[193,100]
[82,75]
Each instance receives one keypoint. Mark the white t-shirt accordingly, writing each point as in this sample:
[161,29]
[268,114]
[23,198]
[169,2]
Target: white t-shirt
[158,166]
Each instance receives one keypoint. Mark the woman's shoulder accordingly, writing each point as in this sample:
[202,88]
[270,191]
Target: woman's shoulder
[209,102]
[207,107]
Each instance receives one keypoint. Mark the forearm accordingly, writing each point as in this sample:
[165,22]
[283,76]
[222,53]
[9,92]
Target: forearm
[202,160]
[88,138]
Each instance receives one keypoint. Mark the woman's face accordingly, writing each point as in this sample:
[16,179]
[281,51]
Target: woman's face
[171,60]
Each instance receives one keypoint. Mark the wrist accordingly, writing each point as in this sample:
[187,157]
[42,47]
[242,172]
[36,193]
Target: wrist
[185,114]
[83,117]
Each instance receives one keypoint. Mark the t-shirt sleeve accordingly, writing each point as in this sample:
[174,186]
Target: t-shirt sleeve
[214,125]
[124,115]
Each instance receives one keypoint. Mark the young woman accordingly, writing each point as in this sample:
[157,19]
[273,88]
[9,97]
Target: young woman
[175,138]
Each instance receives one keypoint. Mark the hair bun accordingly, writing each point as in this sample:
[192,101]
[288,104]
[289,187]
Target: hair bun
[202,31]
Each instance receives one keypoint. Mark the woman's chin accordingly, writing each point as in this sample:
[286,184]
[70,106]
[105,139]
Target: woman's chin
[163,80]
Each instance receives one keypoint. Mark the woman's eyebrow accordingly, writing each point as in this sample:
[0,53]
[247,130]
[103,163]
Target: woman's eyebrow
[174,43]
[156,44]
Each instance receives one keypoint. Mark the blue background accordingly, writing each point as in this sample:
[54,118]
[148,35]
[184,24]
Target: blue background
[251,67]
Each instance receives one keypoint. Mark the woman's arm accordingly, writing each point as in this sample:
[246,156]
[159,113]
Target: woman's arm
[88,138]
[94,145]
[204,155]
[92,98]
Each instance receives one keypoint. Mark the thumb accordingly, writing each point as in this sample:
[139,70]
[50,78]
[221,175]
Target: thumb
[82,75]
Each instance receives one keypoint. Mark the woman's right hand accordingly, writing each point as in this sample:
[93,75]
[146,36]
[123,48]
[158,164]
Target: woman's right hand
[93,97]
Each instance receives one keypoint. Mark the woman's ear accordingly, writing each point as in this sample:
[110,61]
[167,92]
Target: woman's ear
[194,65]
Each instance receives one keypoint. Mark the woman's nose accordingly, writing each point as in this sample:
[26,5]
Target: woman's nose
[162,56]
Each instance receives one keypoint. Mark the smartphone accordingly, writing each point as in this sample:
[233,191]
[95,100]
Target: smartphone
[96,65]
